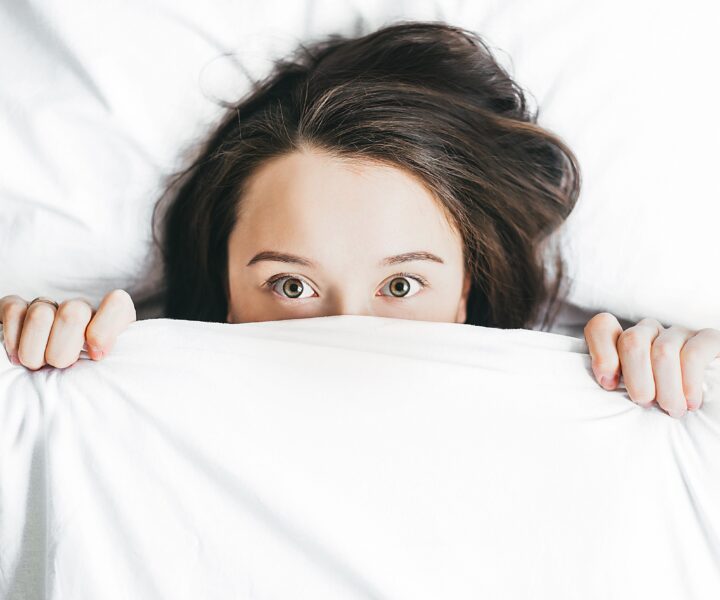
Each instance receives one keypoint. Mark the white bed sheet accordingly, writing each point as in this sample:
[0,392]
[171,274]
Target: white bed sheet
[350,457]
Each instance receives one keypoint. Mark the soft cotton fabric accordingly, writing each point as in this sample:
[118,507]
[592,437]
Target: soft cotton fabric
[350,457]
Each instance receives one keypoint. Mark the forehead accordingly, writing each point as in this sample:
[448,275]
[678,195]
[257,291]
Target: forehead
[311,195]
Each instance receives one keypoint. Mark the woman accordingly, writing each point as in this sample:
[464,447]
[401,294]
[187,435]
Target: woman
[408,146]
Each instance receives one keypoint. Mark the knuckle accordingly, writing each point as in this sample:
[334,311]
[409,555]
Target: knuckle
[631,341]
[120,301]
[650,322]
[713,334]
[14,310]
[602,319]
[40,313]
[663,351]
[73,311]
[15,300]
[690,353]
[678,329]
[119,296]
[12,299]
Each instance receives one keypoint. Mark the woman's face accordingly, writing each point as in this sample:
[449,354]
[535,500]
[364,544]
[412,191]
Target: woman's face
[319,236]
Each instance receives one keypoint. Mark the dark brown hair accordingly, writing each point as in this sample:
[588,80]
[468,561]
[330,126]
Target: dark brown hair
[426,97]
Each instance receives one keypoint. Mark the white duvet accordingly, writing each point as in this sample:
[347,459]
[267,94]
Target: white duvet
[350,457]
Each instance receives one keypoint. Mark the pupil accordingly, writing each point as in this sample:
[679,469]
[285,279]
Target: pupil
[401,285]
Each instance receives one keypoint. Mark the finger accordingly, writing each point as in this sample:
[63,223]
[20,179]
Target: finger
[601,335]
[115,313]
[67,335]
[634,350]
[36,327]
[12,315]
[697,353]
[667,373]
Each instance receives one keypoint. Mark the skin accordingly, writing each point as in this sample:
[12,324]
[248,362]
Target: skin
[336,214]
[343,216]
[40,334]
[656,363]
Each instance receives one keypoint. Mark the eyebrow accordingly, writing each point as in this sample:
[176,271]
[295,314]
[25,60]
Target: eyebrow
[299,260]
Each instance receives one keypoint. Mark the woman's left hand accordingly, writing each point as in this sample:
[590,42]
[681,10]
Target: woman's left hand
[656,363]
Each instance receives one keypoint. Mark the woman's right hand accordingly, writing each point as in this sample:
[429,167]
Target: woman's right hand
[40,334]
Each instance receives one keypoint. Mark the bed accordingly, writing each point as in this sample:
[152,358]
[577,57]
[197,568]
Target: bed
[352,456]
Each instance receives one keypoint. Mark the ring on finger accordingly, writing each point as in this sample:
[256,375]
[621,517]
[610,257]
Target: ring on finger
[43,299]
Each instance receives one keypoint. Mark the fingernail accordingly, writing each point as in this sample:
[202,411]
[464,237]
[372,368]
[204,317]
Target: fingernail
[607,382]
[676,414]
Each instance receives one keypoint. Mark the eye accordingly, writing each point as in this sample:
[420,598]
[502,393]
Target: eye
[400,285]
[292,288]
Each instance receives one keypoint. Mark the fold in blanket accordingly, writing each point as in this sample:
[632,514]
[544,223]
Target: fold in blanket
[350,457]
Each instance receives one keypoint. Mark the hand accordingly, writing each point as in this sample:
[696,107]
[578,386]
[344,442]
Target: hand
[41,334]
[657,363]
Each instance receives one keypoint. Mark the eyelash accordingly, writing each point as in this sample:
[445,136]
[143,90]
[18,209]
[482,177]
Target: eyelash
[275,278]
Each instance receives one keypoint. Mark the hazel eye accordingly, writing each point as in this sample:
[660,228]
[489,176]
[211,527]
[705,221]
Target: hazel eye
[400,286]
[292,288]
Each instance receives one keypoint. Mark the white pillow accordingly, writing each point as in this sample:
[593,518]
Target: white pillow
[100,102]
[348,457]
